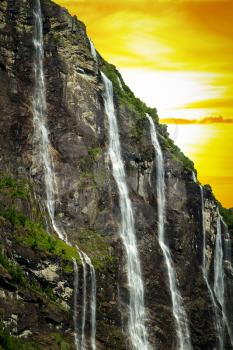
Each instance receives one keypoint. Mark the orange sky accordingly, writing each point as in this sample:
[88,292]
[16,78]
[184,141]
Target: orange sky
[183,50]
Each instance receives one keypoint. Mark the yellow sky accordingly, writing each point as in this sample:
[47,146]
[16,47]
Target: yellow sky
[176,55]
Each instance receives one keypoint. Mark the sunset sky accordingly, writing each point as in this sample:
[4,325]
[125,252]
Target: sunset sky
[176,55]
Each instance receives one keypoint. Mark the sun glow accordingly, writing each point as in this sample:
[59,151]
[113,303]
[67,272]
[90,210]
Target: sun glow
[170,92]
[176,56]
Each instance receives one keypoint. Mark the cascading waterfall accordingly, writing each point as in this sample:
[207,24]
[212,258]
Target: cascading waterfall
[218,318]
[86,261]
[136,324]
[93,50]
[93,300]
[179,313]
[218,291]
[41,137]
[219,278]
[83,340]
[227,259]
[75,304]
[219,283]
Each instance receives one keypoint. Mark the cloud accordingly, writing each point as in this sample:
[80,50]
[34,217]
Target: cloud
[215,103]
[168,35]
[207,120]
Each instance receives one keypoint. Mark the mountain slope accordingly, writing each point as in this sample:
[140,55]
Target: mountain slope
[37,291]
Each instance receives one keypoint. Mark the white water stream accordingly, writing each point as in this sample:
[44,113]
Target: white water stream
[93,50]
[41,140]
[136,324]
[217,293]
[182,328]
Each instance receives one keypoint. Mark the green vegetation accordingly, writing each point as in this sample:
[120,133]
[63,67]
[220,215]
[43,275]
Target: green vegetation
[227,215]
[13,269]
[9,342]
[26,231]
[93,244]
[19,278]
[177,153]
[60,341]
[94,152]
[86,163]
[33,235]
[16,189]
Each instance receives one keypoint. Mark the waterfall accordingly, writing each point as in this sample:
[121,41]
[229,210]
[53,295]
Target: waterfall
[93,50]
[218,318]
[75,304]
[218,291]
[219,279]
[136,324]
[227,258]
[41,137]
[86,261]
[83,340]
[179,313]
[219,283]
[93,300]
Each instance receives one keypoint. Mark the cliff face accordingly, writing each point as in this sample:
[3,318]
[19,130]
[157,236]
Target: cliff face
[36,271]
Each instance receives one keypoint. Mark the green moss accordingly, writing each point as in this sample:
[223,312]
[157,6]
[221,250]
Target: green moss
[16,189]
[93,244]
[68,267]
[9,342]
[13,269]
[32,234]
[26,231]
[19,278]
[94,152]
[227,215]
[137,129]
[61,342]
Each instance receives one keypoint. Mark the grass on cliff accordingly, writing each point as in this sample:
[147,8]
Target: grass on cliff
[227,215]
[17,189]
[25,230]
[93,244]
[32,234]
[9,342]
[169,145]
[13,269]
[19,278]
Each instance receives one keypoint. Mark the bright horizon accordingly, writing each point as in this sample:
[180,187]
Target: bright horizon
[176,56]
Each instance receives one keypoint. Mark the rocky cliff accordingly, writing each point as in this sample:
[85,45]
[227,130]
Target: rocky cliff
[36,270]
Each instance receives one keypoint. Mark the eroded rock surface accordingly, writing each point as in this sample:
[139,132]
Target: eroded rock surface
[87,203]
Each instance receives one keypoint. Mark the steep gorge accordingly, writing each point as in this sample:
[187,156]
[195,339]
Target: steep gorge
[37,292]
